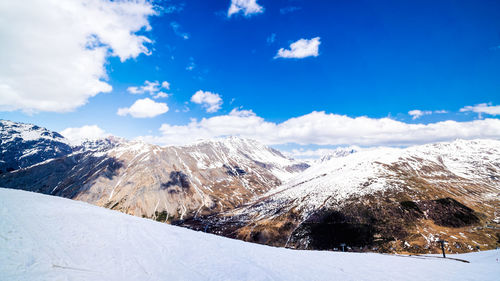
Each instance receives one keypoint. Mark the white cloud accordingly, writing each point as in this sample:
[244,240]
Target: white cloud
[153,88]
[144,108]
[300,49]
[87,132]
[148,87]
[248,7]
[160,95]
[321,128]
[210,101]
[483,108]
[53,53]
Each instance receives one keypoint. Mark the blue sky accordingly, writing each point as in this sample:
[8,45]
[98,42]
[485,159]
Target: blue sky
[376,59]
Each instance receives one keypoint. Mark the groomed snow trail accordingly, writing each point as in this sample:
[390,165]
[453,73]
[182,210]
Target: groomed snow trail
[50,238]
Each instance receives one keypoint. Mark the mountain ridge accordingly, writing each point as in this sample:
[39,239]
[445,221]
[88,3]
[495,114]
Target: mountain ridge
[23,145]
[163,183]
[388,199]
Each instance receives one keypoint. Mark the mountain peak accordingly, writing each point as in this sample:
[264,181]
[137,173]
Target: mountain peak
[23,145]
[10,131]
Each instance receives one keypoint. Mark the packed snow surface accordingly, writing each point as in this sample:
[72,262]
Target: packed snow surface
[51,238]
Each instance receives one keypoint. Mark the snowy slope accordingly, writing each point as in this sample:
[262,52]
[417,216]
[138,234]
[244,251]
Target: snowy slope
[51,238]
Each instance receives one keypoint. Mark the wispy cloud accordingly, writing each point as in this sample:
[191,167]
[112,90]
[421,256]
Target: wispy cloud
[486,108]
[171,9]
[148,87]
[289,9]
[416,113]
[271,38]
[176,27]
[191,64]
[247,7]
[302,48]
[153,88]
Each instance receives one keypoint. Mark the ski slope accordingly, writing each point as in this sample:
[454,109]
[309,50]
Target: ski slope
[51,238]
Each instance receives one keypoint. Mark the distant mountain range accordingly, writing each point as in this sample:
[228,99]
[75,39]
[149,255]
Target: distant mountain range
[382,199]
[163,183]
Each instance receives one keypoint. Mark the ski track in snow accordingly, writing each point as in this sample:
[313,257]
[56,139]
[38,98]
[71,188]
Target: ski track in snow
[51,238]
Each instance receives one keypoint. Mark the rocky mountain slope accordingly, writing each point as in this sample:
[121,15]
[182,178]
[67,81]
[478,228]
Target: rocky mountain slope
[22,145]
[384,199]
[163,183]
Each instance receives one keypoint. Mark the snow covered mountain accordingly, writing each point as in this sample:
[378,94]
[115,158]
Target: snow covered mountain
[381,199]
[50,238]
[384,199]
[163,183]
[339,152]
[22,145]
